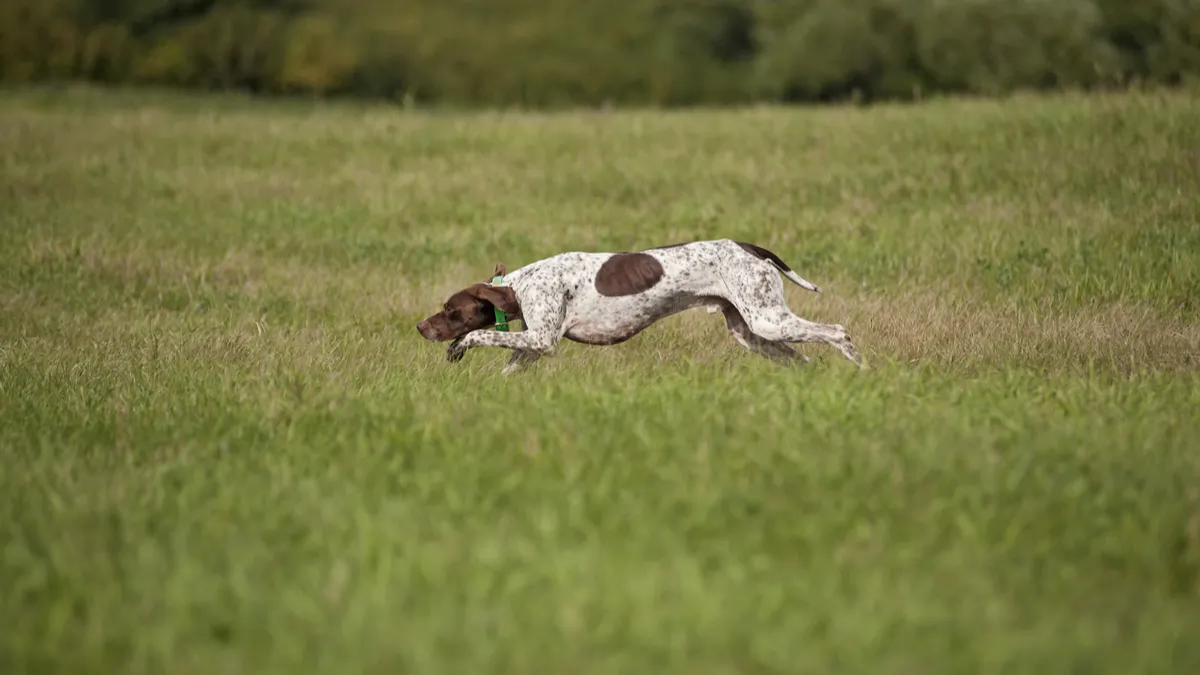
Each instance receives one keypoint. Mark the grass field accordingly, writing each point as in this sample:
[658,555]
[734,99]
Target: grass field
[227,450]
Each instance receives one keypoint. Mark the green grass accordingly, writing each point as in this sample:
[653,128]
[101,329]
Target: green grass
[226,449]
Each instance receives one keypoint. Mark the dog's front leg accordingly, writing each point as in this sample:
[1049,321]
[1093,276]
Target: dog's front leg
[543,328]
[527,346]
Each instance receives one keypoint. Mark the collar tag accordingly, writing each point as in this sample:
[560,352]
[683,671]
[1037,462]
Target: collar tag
[501,320]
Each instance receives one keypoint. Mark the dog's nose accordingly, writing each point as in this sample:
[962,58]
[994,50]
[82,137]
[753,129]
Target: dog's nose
[426,330]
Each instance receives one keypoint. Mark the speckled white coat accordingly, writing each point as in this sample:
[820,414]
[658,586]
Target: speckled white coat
[559,297]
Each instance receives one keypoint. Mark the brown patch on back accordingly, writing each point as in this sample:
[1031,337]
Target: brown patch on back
[628,274]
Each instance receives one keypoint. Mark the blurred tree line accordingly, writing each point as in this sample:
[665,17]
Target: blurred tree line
[547,52]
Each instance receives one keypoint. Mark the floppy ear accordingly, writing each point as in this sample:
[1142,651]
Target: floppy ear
[503,298]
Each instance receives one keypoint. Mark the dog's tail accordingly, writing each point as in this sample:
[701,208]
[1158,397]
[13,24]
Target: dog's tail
[763,254]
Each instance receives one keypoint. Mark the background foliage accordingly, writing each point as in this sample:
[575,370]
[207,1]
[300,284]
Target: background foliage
[664,52]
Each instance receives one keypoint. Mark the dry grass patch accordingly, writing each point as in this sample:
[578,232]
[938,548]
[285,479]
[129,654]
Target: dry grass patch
[954,331]
[954,334]
[949,328]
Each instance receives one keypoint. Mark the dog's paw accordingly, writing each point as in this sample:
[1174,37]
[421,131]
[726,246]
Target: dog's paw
[455,351]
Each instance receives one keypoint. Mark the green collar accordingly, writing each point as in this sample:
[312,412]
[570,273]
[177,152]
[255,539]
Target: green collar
[501,320]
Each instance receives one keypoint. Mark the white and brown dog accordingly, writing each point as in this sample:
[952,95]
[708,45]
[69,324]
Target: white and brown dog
[607,298]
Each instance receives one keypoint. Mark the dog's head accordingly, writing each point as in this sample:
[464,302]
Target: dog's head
[470,309]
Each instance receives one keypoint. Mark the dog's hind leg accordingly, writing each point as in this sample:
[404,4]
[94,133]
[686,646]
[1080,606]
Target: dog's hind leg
[757,295]
[520,360]
[775,351]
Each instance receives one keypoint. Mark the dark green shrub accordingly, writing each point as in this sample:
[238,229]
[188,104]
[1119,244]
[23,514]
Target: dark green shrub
[1155,40]
[582,52]
[835,49]
[986,46]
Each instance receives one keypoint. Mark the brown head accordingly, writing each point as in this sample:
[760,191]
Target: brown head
[470,309]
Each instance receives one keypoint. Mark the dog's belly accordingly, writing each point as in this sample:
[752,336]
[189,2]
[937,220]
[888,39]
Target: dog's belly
[618,322]
[607,331]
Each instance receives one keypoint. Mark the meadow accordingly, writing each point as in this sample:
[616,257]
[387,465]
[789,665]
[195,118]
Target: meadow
[225,448]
